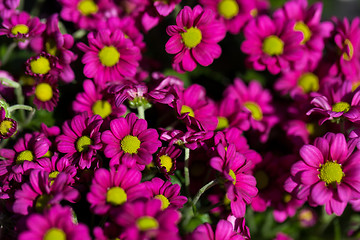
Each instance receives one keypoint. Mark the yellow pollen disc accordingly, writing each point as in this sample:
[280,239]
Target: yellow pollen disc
[254,12]
[255,110]
[187,109]
[26,155]
[232,174]
[109,56]
[192,37]
[164,201]
[309,82]
[311,128]
[228,8]
[273,45]
[222,123]
[20,28]
[55,234]
[48,154]
[53,174]
[116,196]
[5,126]
[147,223]
[40,65]
[305,215]
[355,85]
[302,27]
[331,173]
[50,47]
[87,7]
[83,143]
[130,144]
[341,107]
[349,56]
[287,198]
[43,92]
[102,108]
[42,202]
[166,161]
[262,179]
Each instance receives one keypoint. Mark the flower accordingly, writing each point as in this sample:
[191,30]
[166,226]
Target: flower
[166,160]
[46,93]
[8,126]
[195,38]
[189,139]
[8,8]
[42,65]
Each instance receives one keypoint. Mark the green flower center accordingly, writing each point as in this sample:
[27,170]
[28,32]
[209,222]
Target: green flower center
[5,126]
[273,45]
[55,234]
[341,107]
[349,45]
[147,223]
[87,7]
[187,109]
[40,65]
[50,47]
[192,37]
[166,161]
[164,201]
[116,196]
[42,202]
[331,173]
[302,27]
[228,8]
[102,108]
[109,56]
[43,92]
[262,179]
[26,155]
[232,174]
[83,143]
[309,82]
[222,123]
[20,28]
[255,110]
[130,144]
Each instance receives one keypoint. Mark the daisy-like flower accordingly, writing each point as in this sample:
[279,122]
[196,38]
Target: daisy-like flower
[272,44]
[195,38]
[110,57]
[42,65]
[114,187]
[130,142]
[229,116]
[8,126]
[189,139]
[328,173]
[81,139]
[166,160]
[54,224]
[46,93]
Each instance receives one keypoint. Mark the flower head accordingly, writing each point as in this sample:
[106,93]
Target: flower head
[8,126]
[46,93]
[166,160]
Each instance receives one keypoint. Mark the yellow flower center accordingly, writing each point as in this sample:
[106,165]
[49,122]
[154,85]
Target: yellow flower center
[164,201]
[147,223]
[192,37]
[40,65]
[355,85]
[262,179]
[42,202]
[331,173]
[305,215]
[287,198]
[341,107]
[273,45]
[109,56]
[232,174]
[83,143]
[166,161]
[309,82]
[302,27]
[20,28]
[116,196]
[255,110]
[222,123]
[130,144]
[254,12]
[5,126]
[53,174]
[55,234]
[350,46]
[26,155]
[228,8]
[187,109]
[50,47]
[102,108]
[87,7]
[43,92]
[47,154]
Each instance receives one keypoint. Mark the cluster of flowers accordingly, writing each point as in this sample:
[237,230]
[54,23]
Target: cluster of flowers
[105,174]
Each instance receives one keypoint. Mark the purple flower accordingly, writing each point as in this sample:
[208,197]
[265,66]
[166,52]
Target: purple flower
[166,160]
[46,93]
[8,126]
[43,65]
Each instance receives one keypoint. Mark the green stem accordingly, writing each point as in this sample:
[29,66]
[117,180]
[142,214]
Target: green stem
[9,83]
[8,52]
[204,189]
[141,112]
[79,34]
[186,170]
[20,106]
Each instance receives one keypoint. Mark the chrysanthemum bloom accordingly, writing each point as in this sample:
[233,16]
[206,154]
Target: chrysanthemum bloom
[46,94]
[328,173]
[239,184]
[189,139]
[166,160]
[130,142]
[195,38]
[110,57]
[145,219]
[8,126]
[114,187]
[308,23]
[239,226]
[42,65]
[81,139]
[57,223]
[42,192]
[307,217]
[8,8]
[272,44]
[167,192]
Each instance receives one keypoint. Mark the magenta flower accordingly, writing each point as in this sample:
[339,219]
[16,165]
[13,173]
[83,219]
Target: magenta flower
[46,93]
[228,115]
[166,160]
[110,56]
[272,44]
[8,126]
[55,223]
[81,140]
[328,173]
[130,142]
[189,139]
[195,38]
[113,188]
[8,8]
[43,65]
